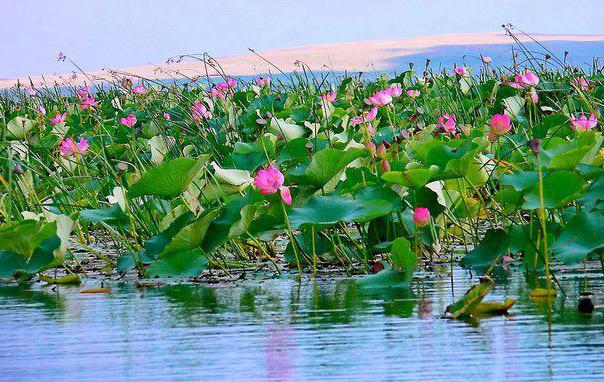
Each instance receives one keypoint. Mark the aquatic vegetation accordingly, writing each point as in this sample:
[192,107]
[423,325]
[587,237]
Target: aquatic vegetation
[368,176]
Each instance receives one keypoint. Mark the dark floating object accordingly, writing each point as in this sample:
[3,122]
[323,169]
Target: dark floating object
[586,305]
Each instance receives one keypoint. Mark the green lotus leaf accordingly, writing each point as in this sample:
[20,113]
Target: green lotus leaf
[24,237]
[580,236]
[559,188]
[18,127]
[324,166]
[402,256]
[324,211]
[169,179]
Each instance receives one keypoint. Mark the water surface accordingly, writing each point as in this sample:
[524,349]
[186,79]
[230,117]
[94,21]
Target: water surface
[276,329]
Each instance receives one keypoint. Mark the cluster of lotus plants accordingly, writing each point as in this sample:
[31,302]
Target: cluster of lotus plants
[377,176]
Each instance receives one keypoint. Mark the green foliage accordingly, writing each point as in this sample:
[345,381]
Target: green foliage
[581,236]
[326,211]
[169,179]
[178,194]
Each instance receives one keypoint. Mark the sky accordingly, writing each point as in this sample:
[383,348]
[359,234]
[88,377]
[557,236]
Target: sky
[121,33]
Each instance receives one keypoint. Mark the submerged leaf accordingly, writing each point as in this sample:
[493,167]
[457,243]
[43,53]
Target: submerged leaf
[469,302]
[69,279]
[488,307]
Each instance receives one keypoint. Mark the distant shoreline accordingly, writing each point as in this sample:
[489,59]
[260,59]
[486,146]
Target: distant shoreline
[349,56]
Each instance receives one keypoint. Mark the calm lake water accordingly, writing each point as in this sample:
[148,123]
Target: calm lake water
[276,329]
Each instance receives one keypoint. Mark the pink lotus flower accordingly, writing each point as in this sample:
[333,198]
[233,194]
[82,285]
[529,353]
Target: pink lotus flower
[500,124]
[379,98]
[166,116]
[581,82]
[395,90]
[229,84]
[329,97]
[583,123]
[461,71]
[365,117]
[139,89]
[371,147]
[385,165]
[516,85]
[421,216]
[286,195]
[528,79]
[506,261]
[129,121]
[263,81]
[486,59]
[199,111]
[270,181]
[370,129]
[58,119]
[447,122]
[88,103]
[217,92]
[70,148]
[83,92]
[413,93]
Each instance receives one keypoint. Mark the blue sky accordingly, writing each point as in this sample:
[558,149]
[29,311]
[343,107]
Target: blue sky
[120,33]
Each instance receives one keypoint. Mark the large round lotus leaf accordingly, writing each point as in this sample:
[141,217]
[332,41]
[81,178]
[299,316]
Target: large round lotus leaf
[551,123]
[18,127]
[182,264]
[190,236]
[453,158]
[24,237]
[579,237]
[564,155]
[285,129]
[509,199]
[520,180]
[559,188]
[415,177]
[493,245]
[169,179]
[513,105]
[250,156]
[329,210]
[112,215]
[11,262]
[324,165]
[402,256]
[386,278]
[156,244]
[233,177]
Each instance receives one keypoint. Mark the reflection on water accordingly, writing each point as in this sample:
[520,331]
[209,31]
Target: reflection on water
[277,329]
